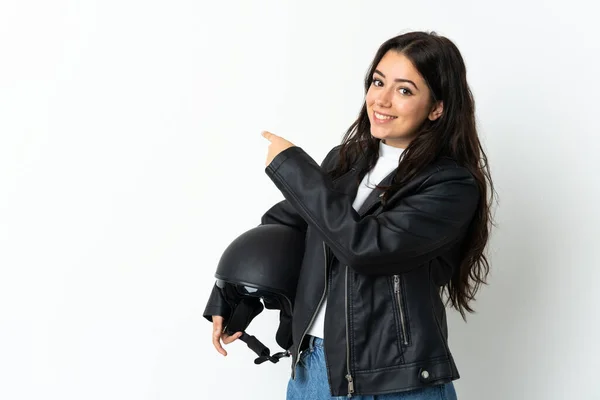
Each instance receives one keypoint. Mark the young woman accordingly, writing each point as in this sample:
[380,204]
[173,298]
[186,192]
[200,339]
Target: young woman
[394,217]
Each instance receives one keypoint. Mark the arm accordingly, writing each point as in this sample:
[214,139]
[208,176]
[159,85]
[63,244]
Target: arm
[285,213]
[417,229]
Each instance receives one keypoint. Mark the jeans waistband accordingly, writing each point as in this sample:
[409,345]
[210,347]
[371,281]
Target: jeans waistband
[314,341]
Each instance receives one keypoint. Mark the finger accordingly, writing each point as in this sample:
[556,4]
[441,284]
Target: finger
[216,337]
[228,339]
[268,135]
[218,347]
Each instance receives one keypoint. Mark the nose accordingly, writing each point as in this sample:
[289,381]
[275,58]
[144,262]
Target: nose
[384,98]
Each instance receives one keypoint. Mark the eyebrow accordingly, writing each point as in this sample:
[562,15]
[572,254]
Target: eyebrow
[398,79]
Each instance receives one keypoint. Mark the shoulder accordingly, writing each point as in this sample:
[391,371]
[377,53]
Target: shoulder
[446,177]
[332,157]
[448,168]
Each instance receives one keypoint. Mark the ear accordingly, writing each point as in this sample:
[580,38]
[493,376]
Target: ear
[436,111]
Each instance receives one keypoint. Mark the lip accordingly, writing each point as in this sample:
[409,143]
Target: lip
[379,112]
[382,121]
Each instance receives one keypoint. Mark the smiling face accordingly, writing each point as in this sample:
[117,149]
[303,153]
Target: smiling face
[399,101]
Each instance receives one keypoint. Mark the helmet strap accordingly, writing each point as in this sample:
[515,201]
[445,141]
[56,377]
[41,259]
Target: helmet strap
[242,314]
[263,352]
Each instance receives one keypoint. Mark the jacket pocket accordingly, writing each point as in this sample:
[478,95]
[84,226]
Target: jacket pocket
[374,323]
[401,315]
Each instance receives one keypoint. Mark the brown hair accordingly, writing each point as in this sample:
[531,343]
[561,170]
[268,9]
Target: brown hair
[452,135]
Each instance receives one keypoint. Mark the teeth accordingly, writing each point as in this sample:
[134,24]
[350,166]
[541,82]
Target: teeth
[381,116]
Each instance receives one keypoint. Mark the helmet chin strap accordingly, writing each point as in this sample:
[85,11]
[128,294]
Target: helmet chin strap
[263,352]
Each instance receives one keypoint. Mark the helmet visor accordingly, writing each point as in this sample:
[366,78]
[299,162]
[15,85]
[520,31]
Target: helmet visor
[245,290]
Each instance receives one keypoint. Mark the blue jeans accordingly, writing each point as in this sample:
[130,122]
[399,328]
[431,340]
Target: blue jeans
[311,381]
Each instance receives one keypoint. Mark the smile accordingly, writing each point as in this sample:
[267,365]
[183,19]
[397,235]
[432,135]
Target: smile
[382,117]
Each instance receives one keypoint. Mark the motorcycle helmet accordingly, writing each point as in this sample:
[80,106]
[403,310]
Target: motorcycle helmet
[261,264]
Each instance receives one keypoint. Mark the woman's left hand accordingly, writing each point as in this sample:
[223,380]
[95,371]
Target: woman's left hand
[278,144]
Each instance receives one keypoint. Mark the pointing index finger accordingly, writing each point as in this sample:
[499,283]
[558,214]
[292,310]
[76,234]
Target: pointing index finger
[268,135]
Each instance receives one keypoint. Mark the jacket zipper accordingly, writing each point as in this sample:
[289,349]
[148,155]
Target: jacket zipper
[313,316]
[349,375]
[399,301]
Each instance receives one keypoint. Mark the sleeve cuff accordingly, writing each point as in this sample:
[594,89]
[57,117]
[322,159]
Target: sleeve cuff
[281,158]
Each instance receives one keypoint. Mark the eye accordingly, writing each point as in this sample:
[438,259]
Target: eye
[405,91]
[377,82]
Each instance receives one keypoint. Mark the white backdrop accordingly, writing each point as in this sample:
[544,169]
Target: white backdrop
[131,156]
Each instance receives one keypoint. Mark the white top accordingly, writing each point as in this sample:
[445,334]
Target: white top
[386,163]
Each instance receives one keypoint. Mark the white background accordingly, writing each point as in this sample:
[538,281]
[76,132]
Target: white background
[131,156]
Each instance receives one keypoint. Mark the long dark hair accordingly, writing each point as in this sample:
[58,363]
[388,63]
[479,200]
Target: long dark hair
[452,135]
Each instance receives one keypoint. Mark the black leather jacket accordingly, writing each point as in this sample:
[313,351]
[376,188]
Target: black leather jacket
[381,269]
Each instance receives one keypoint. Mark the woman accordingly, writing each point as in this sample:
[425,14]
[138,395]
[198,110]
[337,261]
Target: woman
[395,217]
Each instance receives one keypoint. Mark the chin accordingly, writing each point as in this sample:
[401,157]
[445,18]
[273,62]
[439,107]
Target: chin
[386,137]
[379,133]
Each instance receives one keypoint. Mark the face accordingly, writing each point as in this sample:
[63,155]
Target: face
[398,101]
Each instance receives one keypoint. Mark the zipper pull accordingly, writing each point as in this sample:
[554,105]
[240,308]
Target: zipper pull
[396,284]
[350,385]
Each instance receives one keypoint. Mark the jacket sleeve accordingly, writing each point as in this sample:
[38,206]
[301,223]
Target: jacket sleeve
[285,213]
[417,229]
[216,305]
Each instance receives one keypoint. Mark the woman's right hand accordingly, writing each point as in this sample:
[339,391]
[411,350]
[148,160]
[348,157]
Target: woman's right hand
[219,335]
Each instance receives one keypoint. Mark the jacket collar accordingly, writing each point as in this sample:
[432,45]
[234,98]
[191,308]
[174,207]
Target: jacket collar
[348,184]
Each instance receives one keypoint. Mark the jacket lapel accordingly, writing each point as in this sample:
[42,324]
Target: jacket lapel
[348,184]
[374,197]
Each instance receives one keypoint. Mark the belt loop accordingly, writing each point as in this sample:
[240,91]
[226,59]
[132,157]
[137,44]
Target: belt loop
[311,343]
